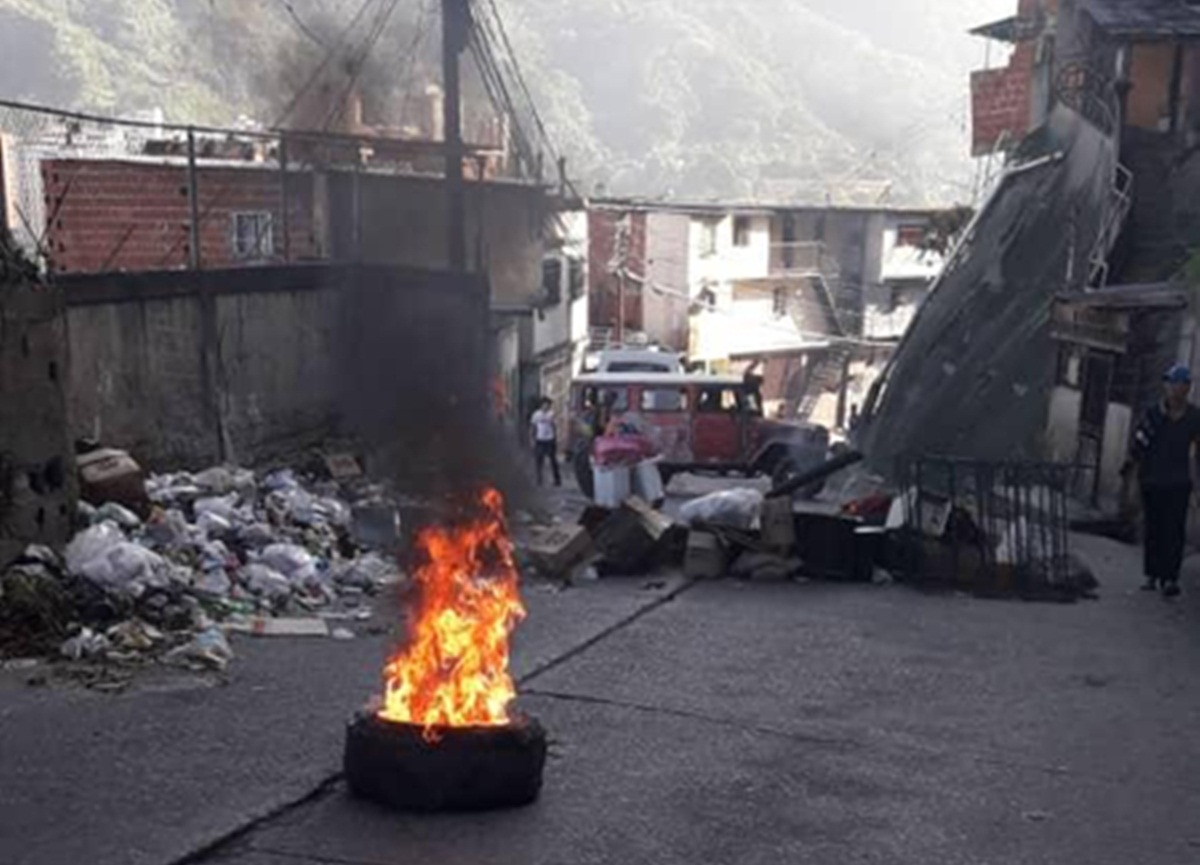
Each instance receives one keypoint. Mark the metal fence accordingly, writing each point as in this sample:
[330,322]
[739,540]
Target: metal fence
[988,526]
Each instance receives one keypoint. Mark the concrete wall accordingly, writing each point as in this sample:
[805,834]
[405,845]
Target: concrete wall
[1062,426]
[665,299]
[728,261]
[186,369]
[37,479]
[403,222]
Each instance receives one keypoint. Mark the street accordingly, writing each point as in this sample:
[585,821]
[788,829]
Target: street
[714,722]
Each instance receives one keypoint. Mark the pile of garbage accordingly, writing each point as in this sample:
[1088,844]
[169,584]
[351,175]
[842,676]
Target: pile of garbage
[224,549]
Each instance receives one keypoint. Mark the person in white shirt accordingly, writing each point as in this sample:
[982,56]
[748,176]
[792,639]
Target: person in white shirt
[544,431]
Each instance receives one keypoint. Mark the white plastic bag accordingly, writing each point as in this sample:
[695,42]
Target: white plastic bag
[222,506]
[92,544]
[265,581]
[294,562]
[737,509]
[367,572]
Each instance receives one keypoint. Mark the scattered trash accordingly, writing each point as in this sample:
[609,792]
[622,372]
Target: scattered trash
[630,535]
[342,634]
[554,551]
[134,636]
[343,467]
[118,514]
[764,567]
[739,509]
[1036,816]
[163,561]
[262,626]
[107,475]
[19,665]
[85,645]
[209,648]
[706,557]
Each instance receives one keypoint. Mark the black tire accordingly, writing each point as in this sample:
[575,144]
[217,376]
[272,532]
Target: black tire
[467,769]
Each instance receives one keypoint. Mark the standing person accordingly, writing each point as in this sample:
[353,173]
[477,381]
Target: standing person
[1162,451]
[544,431]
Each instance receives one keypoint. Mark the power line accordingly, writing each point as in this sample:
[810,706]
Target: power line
[359,64]
[330,54]
[300,25]
[519,76]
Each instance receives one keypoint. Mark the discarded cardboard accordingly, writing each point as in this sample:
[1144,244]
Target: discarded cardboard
[555,550]
[706,557]
[109,475]
[343,467]
[629,537]
[778,524]
[261,626]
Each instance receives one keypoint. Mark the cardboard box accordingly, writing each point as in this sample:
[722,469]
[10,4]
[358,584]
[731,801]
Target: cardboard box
[556,550]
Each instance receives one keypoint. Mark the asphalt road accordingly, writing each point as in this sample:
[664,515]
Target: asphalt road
[820,723]
[714,723]
[158,773]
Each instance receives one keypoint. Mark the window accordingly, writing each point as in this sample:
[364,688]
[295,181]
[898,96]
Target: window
[741,231]
[253,235]
[552,271]
[708,236]
[575,279]
[593,397]
[664,399]
[779,302]
[910,234]
[717,400]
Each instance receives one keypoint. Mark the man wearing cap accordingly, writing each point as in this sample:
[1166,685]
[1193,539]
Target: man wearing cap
[1162,451]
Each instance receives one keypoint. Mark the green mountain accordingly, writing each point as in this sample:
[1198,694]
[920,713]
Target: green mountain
[805,100]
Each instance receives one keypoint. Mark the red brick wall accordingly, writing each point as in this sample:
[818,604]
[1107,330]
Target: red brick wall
[110,215]
[603,287]
[1001,101]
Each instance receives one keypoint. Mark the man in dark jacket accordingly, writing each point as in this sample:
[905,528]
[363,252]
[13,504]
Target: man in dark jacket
[1162,451]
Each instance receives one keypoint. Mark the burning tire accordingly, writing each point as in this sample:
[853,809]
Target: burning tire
[459,769]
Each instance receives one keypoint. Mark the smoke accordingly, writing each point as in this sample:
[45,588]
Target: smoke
[322,70]
[414,365]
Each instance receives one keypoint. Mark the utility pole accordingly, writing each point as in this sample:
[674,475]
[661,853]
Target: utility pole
[456,29]
[193,203]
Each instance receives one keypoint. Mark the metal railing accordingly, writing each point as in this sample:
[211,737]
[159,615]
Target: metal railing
[994,527]
[1120,203]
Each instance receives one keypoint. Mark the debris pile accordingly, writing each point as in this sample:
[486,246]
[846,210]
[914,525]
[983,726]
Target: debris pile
[217,551]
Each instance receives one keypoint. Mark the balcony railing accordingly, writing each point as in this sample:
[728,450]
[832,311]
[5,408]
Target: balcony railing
[804,258]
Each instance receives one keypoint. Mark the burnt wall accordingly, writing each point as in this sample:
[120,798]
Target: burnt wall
[190,368]
[379,219]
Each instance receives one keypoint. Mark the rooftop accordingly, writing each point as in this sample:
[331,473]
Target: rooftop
[1147,19]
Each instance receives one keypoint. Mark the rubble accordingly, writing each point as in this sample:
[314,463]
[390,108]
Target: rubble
[171,563]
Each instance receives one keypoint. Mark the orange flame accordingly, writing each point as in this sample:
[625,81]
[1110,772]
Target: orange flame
[454,670]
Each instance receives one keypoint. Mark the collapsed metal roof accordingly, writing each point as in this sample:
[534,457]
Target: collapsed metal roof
[1147,19]
[973,374]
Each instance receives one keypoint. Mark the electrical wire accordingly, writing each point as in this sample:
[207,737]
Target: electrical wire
[359,64]
[330,54]
[304,29]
